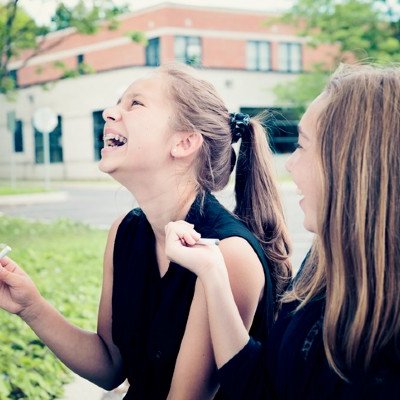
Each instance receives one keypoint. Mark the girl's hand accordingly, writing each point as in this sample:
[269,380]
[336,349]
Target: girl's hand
[18,293]
[180,247]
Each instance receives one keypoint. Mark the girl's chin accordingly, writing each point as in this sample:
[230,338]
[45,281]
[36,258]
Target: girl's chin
[105,167]
[309,226]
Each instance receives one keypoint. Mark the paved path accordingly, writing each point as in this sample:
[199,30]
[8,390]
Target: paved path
[100,204]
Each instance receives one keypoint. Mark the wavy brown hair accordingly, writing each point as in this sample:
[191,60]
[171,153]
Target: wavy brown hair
[355,263]
[198,107]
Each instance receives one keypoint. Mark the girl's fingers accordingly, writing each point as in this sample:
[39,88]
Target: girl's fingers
[9,277]
[11,266]
[8,264]
[184,223]
[188,237]
[183,231]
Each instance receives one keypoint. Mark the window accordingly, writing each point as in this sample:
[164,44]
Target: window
[281,125]
[18,137]
[55,139]
[290,57]
[13,74]
[98,124]
[188,50]
[81,67]
[258,56]
[153,52]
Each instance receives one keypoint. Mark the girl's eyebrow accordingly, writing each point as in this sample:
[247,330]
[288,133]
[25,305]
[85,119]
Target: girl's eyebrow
[129,95]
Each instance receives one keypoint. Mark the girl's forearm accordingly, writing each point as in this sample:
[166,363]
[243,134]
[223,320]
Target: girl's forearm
[228,332]
[83,352]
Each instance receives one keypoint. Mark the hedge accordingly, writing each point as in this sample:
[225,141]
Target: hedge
[65,261]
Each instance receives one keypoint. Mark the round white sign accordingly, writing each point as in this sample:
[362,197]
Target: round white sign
[45,120]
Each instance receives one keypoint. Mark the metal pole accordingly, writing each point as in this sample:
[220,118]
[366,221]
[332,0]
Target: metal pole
[11,124]
[13,178]
[46,148]
[45,121]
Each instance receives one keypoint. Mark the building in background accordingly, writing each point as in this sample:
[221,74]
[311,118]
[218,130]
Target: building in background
[242,55]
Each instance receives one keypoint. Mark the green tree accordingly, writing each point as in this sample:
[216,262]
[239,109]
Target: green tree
[366,29]
[84,16]
[300,91]
[19,32]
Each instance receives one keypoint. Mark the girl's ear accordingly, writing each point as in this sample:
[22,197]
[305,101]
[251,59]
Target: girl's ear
[186,144]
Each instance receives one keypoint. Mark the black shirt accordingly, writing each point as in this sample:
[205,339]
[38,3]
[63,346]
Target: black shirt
[292,365]
[150,312]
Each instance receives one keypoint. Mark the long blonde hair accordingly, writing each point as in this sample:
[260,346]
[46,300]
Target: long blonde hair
[355,263]
[198,107]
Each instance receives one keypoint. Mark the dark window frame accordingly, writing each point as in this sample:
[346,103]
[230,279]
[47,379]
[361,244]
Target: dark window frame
[289,46]
[186,57]
[152,52]
[258,44]
[281,125]
[13,74]
[19,136]
[98,126]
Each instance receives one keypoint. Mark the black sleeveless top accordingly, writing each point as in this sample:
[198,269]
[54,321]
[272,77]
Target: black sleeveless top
[149,313]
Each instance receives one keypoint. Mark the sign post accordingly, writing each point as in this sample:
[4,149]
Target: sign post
[45,120]
[11,125]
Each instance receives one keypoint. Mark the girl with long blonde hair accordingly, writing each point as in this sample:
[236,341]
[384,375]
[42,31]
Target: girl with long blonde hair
[337,332]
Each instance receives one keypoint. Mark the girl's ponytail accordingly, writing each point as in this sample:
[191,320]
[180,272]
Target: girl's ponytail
[258,202]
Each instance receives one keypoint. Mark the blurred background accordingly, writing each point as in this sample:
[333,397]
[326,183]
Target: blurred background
[77,57]
[63,62]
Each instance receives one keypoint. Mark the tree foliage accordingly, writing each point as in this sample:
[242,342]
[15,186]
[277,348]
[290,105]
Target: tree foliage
[369,30]
[85,16]
[300,91]
[19,32]
[366,28]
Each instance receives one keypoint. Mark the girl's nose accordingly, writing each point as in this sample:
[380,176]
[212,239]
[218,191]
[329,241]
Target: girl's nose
[111,113]
[288,163]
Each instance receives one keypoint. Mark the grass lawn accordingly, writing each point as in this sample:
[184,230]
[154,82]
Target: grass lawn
[7,191]
[65,261]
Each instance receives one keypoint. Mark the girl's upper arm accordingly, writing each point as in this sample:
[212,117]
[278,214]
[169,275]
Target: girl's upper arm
[246,276]
[195,372]
[104,323]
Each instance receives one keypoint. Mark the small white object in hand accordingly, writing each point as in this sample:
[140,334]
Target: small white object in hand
[4,250]
[208,242]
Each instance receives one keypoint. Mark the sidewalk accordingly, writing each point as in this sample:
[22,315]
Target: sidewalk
[33,198]
[82,389]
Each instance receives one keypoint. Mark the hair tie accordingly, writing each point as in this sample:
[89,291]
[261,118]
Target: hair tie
[239,123]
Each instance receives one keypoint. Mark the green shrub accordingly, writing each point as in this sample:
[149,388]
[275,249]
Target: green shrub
[65,261]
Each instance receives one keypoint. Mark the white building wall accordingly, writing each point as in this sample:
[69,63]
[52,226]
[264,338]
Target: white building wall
[76,99]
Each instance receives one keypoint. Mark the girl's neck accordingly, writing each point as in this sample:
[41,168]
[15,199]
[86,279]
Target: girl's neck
[163,202]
